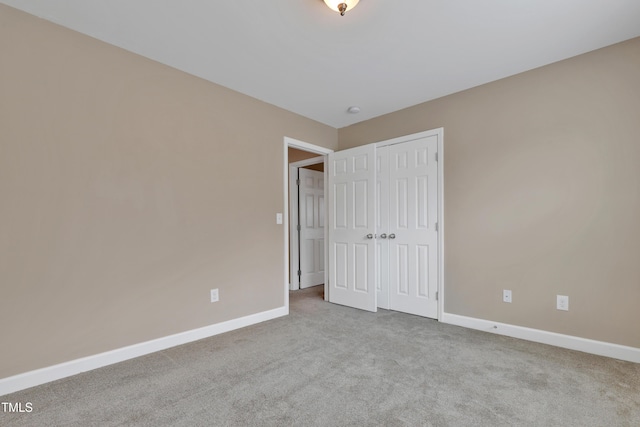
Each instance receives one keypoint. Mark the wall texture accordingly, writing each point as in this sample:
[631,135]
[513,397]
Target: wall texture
[127,191]
[542,193]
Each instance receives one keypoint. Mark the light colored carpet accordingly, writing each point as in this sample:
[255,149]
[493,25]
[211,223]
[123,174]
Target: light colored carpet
[328,365]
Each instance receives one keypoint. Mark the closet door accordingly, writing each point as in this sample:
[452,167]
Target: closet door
[412,236]
[352,250]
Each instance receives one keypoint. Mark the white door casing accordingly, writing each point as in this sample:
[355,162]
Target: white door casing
[321,151]
[352,248]
[311,220]
[412,228]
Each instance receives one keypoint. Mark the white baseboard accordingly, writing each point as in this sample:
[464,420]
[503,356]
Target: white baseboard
[616,351]
[73,367]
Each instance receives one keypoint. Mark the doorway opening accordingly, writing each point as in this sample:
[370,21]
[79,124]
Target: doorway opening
[299,155]
[306,220]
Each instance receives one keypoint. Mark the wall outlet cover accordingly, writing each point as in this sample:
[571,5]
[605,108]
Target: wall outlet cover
[562,302]
[506,295]
[215,297]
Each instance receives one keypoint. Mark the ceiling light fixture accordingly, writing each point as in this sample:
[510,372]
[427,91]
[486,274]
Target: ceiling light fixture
[341,5]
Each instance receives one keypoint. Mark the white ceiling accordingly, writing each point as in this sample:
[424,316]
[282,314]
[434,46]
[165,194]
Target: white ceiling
[382,56]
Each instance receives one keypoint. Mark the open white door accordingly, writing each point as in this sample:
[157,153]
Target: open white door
[412,232]
[352,249]
[311,228]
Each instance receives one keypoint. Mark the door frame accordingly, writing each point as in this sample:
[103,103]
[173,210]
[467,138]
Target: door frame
[323,151]
[293,216]
[440,133]
[294,143]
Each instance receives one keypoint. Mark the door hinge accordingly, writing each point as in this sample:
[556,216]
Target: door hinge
[437,295]
[436,156]
[299,273]
[298,227]
[436,226]
[298,181]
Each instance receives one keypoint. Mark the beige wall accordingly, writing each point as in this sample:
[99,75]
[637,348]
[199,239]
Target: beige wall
[127,191]
[317,167]
[296,155]
[542,193]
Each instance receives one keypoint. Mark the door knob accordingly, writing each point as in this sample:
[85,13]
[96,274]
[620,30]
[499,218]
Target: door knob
[392,236]
[369,236]
[383,236]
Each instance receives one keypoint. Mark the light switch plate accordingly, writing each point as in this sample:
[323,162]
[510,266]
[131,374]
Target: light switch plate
[278,218]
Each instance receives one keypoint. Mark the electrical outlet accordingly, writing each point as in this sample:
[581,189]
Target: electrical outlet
[506,295]
[562,302]
[214,295]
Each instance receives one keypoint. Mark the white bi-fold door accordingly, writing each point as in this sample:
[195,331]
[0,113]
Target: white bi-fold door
[390,258]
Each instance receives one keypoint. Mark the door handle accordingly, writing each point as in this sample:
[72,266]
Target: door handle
[383,236]
[369,236]
[392,236]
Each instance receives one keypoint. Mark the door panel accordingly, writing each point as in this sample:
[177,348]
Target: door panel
[311,227]
[402,268]
[401,203]
[422,267]
[361,203]
[413,260]
[352,254]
